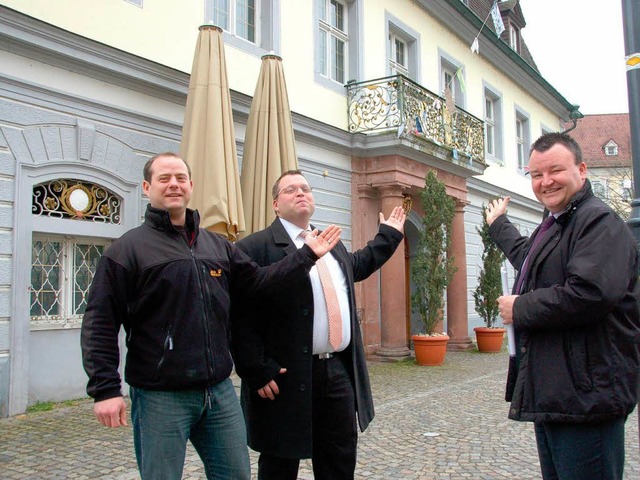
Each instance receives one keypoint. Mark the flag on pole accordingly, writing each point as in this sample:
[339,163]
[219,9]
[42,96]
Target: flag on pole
[463,85]
[497,18]
[475,46]
[449,102]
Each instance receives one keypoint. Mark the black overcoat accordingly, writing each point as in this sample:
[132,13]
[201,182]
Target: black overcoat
[278,333]
[577,321]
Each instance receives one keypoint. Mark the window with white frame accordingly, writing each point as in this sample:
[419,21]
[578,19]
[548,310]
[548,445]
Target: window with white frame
[520,143]
[449,77]
[245,14]
[62,266]
[336,55]
[489,125]
[399,61]
[402,48]
[523,139]
[62,269]
[493,124]
[333,39]
[238,17]
[249,25]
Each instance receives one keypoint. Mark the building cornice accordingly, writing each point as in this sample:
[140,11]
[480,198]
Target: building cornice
[73,105]
[46,43]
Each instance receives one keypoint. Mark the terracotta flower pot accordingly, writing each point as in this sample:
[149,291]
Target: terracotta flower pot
[489,339]
[430,351]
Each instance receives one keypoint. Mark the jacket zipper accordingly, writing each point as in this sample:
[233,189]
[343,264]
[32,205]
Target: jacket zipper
[203,292]
[167,345]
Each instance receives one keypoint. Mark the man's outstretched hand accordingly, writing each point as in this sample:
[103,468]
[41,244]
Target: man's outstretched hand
[323,242]
[496,208]
[395,220]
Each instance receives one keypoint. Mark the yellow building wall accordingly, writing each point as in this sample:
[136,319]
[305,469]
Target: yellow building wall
[165,31]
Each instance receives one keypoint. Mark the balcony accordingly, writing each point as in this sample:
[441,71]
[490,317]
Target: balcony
[401,105]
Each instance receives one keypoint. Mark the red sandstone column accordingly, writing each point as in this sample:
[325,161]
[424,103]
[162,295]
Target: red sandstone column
[457,321]
[365,227]
[393,306]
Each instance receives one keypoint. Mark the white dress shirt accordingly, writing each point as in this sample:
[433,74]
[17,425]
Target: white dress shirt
[320,320]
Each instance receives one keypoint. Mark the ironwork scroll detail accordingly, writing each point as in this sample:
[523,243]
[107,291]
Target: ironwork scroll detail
[75,199]
[398,103]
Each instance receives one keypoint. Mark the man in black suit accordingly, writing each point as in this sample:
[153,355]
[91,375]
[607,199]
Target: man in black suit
[300,394]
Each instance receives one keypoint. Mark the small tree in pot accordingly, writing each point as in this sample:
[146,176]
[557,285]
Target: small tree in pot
[432,270]
[488,290]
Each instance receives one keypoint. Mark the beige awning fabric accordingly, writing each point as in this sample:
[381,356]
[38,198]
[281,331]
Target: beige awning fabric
[208,139]
[269,144]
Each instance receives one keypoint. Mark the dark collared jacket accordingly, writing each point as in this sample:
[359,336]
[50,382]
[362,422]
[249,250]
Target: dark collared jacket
[173,299]
[577,322]
[278,332]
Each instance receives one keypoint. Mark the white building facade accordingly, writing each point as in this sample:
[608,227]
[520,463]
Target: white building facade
[89,93]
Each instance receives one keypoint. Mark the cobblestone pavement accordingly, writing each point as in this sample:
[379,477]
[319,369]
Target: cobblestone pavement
[447,422]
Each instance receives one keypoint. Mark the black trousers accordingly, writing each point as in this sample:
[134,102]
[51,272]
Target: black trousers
[581,451]
[335,434]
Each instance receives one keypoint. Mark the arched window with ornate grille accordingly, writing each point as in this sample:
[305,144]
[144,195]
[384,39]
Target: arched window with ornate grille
[62,266]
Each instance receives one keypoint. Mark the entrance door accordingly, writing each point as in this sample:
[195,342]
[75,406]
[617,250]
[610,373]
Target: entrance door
[413,322]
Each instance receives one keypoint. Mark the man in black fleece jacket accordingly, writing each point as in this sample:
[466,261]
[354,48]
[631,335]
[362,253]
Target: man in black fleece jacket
[170,284]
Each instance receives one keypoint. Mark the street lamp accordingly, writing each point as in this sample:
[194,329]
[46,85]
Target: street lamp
[631,26]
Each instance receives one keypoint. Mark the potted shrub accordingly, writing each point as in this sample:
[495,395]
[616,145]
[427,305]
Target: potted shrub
[432,269]
[486,294]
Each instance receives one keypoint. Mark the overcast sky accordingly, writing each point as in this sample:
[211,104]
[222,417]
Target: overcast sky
[578,46]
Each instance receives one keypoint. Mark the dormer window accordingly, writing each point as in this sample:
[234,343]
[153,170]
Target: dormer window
[611,149]
[514,37]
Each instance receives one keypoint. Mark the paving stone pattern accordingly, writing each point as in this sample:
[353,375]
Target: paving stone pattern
[447,422]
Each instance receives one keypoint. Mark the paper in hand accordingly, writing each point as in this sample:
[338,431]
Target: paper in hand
[511,336]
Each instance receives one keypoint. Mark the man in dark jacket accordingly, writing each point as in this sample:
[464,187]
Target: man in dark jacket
[171,285]
[301,388]
[575,313]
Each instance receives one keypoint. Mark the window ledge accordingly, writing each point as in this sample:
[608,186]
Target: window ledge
[64,324]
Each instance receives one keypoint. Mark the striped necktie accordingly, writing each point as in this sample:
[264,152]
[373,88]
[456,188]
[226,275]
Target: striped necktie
[331,301]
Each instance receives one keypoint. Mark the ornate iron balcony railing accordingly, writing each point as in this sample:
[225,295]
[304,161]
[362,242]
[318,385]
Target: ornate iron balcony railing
[397,103]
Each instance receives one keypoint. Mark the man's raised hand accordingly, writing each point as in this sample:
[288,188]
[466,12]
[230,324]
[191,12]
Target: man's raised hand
[325,241]
[496,208]
[395,220]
